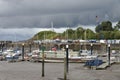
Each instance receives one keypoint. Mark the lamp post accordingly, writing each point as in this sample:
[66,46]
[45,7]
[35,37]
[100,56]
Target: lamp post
[67,60]
[109,54]
[23,52]
[91,48]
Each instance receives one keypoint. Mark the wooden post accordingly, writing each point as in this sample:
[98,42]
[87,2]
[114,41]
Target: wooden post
[43,61]
[109,54]
[23,52]
[67,60]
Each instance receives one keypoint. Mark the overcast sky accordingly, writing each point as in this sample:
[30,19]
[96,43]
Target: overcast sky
[26,17]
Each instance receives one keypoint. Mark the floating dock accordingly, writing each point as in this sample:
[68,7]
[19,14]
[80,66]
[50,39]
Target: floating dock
[104,65]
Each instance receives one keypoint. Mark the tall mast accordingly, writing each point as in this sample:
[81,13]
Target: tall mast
[52,29]
[52,26]
[15,40]
[85,39]
[67,33]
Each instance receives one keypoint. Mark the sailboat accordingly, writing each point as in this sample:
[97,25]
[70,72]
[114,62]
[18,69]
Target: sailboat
[13,53]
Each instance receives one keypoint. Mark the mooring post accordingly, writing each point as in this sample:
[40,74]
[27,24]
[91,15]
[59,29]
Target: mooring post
[67,59]
[43,48]
[23,52]
[109,54]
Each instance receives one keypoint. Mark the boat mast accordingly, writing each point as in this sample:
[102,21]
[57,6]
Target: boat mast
[15,40]
[52,26]
[52,29]
[85,40]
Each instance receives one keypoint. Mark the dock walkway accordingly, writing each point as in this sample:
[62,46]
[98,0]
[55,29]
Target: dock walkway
[104,65]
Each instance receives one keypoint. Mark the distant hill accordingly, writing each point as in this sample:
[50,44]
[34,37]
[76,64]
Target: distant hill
[46,35]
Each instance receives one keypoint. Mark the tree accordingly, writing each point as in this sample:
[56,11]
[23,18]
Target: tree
[106,35]
[69,34]
[117,35]
[80,32]
[98,28]
[104,26]
[90,34]
[45,34]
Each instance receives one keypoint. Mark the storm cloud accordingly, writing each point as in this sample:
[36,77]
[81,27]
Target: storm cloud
[40,13]
[24,18]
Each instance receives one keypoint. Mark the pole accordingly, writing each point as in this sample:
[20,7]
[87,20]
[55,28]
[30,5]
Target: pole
[43,61]
[91,48]
[109,54]
[67,60]
[23,52]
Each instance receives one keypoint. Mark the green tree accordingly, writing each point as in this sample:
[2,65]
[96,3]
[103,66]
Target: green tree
[80,32]
[45,34]
[117,35]
[90,34]
[106,34]
[104,26]
[98,28]
[69,34]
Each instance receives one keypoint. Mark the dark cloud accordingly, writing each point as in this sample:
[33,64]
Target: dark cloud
[40,13]
[15,15]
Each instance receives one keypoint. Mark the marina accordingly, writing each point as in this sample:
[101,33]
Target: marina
[26,64]
[59,40]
